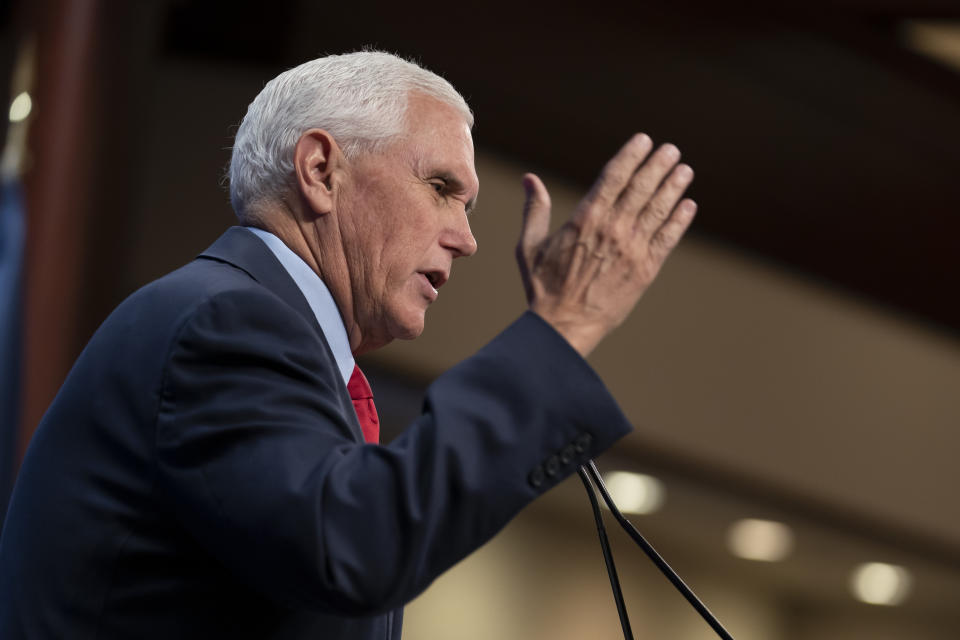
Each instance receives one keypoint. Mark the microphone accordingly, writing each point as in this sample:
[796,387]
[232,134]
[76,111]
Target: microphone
[588,472]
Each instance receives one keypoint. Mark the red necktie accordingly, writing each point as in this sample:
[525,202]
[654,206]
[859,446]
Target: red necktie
[362,397]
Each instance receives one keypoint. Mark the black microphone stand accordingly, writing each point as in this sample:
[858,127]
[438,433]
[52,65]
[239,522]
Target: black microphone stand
[589,472]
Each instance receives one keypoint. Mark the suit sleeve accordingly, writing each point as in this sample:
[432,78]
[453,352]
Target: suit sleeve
[260,465]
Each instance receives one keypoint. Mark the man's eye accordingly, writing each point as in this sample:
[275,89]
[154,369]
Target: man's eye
[439,187]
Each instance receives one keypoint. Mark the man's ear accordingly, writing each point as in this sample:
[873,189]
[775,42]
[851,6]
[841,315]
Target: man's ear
[315,158]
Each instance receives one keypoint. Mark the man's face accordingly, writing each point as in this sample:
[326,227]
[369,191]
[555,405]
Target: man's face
[402,215]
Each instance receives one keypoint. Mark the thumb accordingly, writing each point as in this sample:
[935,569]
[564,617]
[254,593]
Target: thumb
[536,216]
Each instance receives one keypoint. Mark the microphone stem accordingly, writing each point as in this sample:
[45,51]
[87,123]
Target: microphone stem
[655,557]
[608,557]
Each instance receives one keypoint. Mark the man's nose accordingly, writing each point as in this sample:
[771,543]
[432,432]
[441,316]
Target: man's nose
[459,239]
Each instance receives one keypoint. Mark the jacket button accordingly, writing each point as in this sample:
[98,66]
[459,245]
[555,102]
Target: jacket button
[552,465]
[566,455]
[583,441]
[536,476]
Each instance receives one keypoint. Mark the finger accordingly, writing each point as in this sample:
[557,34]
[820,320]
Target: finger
[645,182]
[618,171]
[536,215]
[669,234]
[664,200]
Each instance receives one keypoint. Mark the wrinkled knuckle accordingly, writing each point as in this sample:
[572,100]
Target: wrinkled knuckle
[663,242]
[641,188]
[657,211]
[609,168]
[613,174]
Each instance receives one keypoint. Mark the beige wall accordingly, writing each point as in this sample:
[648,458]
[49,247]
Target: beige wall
[544,579]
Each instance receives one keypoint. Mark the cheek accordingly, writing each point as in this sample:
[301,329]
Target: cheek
[408,244]
[399,262]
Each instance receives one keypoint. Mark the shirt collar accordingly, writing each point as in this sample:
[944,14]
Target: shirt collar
[318,297]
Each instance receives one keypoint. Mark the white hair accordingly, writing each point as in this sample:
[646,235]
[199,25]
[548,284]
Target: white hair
[359,98]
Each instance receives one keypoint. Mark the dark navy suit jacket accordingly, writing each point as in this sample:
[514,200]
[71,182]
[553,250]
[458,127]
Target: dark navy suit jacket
[201,473]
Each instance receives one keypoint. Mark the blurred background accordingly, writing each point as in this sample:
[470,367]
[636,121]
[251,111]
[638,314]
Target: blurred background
[793,376]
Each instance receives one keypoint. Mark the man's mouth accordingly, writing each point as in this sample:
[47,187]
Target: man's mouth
[435,278]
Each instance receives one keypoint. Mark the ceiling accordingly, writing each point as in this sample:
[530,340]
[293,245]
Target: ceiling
[821,143]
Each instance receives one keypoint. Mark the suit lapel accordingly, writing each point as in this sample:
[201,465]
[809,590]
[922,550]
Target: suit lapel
[242,249]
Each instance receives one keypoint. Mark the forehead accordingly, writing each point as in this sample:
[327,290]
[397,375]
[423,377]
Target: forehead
[438,139]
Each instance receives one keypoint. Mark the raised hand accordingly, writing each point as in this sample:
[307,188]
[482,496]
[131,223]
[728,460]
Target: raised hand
[586,277]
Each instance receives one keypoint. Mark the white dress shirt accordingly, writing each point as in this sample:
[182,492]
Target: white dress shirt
[318,297]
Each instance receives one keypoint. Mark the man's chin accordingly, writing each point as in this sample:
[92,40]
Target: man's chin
[411,333]
[408,327]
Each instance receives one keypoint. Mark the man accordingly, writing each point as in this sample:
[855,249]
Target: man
[202,472]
